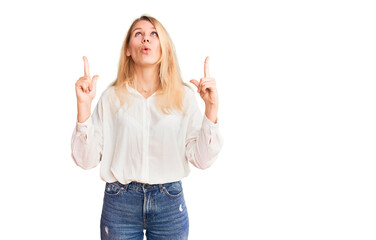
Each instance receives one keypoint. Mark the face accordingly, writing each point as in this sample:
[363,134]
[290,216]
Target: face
[144,45]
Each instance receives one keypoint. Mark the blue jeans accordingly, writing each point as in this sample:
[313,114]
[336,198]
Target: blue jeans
[158,208]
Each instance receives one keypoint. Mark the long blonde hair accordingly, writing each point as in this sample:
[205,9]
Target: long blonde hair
[170,94]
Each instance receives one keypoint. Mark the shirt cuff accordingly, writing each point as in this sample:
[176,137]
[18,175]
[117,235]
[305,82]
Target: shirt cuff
[82,127]
[209,126]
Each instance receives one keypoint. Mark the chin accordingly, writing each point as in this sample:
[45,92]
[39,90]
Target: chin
[148,63]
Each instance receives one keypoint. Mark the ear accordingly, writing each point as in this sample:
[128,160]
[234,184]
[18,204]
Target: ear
[127,53]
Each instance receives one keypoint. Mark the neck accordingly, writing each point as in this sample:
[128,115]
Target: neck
[147,77]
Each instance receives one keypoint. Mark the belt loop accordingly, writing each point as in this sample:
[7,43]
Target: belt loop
[126,187]
[161,187]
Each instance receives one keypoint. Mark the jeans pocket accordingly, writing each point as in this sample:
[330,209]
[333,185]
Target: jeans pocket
[113,189]
[173,189]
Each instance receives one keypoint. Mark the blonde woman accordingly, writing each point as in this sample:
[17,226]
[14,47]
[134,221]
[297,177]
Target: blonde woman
[144,131]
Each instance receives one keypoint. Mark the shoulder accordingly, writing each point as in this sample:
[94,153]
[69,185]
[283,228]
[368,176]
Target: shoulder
[190,97]
[108,96]
[108,92]
[189,93]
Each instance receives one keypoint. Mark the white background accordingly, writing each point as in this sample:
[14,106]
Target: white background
[296,84]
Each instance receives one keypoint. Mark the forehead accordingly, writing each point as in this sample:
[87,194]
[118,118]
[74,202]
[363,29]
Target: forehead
[143,24]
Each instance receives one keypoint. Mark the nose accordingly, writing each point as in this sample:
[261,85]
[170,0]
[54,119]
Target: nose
[146,40]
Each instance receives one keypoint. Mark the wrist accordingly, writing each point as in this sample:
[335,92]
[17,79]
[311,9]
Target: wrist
[211,107]
[211,113]
[83,111]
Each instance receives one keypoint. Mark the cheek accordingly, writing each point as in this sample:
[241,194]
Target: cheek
[132,47]
[159,47]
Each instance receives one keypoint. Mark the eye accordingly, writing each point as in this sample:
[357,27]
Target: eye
[137,34]
[154,34]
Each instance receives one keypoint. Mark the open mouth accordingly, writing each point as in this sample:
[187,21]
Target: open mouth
[145,49]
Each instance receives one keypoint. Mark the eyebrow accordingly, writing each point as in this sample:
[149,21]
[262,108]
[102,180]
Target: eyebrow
[141,28]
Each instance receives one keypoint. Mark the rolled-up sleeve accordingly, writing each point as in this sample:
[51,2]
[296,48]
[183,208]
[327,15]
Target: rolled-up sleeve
[87,140]
[203,141]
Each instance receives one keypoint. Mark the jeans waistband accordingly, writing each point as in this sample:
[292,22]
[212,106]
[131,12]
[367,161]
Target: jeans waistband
[142,187]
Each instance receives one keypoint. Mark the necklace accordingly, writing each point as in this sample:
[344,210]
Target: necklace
[147,91]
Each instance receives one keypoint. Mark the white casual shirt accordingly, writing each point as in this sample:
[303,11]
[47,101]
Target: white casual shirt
[140,143]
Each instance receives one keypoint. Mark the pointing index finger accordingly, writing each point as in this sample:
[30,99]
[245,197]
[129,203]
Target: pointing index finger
[206,67]
[86,66]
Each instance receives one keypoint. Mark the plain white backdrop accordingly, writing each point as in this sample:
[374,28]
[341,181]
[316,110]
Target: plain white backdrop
[296,83]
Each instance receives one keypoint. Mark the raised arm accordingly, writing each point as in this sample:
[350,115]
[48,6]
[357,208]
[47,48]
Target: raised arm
[203,140]
[87,137]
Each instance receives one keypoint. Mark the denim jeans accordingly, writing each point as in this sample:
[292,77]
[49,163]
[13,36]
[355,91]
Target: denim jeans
[158,208]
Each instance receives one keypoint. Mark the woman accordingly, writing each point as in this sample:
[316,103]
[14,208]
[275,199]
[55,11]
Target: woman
[144,130]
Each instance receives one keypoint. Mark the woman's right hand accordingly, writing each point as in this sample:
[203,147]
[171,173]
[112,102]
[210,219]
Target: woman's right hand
[86,86]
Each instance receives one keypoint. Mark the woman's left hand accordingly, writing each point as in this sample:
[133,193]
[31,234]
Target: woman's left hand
[207,87]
